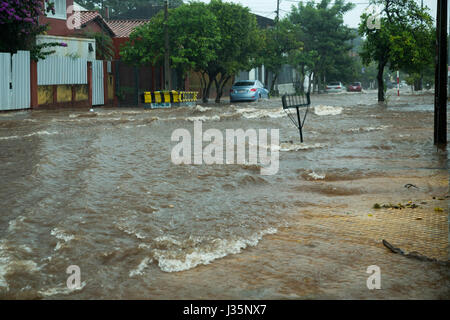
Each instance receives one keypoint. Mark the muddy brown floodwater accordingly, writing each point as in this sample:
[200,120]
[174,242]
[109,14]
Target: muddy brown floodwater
[98,190]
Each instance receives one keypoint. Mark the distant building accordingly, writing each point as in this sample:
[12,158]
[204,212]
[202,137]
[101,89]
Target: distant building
[122,29]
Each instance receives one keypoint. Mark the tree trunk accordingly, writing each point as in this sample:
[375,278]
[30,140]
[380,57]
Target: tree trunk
[418,85]
[318,84]
[266,78]
[380,82]
[203,84]
[274,79]
[207,89]
[302,79]
[309,82]
[220,85]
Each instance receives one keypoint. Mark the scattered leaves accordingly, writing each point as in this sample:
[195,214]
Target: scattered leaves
[399,206]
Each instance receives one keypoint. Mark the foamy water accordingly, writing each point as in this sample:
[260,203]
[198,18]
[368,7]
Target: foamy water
[39,133]
[171,261]
[322,110]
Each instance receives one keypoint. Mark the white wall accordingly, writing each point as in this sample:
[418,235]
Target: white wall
[252,75]
[76,47]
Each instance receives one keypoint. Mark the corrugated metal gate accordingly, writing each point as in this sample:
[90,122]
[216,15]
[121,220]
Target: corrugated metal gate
[55,70]
[15,81]
[98,97]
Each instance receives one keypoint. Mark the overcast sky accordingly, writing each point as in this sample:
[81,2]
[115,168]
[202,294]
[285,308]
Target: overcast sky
[267,8]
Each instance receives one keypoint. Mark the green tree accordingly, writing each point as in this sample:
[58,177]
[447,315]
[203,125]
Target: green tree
[239,46]
[404,40]
[194,38]
[121,7]
[216,39]
[324,35]
[281,45]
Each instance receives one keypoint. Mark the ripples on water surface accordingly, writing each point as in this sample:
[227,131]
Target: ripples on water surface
[99,190]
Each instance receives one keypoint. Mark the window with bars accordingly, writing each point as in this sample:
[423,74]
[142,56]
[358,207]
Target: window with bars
[60,10]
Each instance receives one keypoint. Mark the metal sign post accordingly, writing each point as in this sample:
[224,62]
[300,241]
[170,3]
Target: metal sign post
[297,102]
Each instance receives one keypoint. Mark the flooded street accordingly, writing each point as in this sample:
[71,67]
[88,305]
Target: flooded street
[98,190]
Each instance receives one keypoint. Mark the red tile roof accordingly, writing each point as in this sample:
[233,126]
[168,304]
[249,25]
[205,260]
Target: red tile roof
[88,16]
[123,28]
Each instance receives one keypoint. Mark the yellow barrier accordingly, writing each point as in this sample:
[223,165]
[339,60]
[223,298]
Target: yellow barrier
[188,96]
[169,97]
[161,97]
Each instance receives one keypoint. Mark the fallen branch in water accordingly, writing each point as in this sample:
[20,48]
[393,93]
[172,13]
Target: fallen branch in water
[413,255]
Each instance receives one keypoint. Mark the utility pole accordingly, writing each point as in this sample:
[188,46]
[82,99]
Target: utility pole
[421,71]
[167,77]
[278,10]
[440,87]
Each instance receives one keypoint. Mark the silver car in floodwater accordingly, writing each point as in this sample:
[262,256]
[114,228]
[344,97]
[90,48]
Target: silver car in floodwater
[248,90]
[334,87]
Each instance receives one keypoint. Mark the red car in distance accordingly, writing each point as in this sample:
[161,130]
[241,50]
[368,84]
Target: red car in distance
[355,86]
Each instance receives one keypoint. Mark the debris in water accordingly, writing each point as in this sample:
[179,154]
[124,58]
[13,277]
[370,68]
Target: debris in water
[392,248]
[399,206]
[409,185]
[414,255]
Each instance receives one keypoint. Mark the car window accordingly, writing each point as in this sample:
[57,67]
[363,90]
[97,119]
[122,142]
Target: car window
[356,84]
[334,84]
[244,83]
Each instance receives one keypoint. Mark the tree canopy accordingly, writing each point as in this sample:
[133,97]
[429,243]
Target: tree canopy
[216,39]
[240,41]
[325,37]
[193,33]
[280,45]
[120,8]
[404,40]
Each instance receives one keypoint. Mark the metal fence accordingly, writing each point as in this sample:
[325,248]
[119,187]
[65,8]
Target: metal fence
[15,81]
[132,81]
[56,70]
[98,97]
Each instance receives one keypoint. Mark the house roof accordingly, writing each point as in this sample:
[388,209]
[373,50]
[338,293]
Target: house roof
[88,16]
[264,22]
[123,28]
